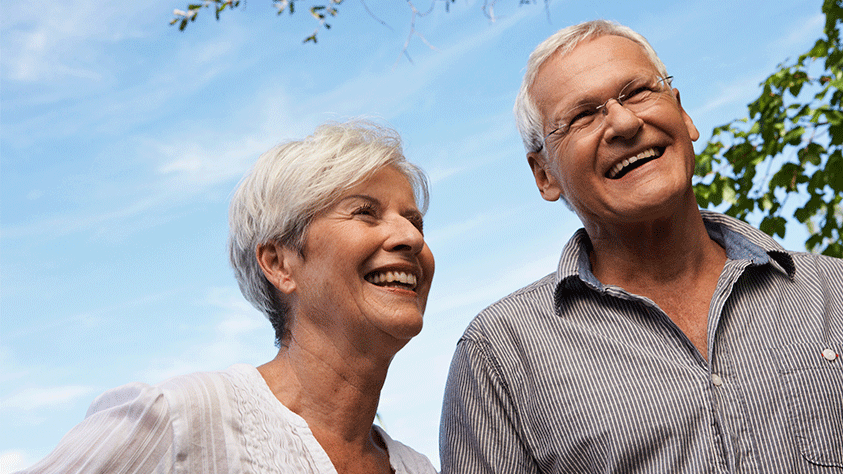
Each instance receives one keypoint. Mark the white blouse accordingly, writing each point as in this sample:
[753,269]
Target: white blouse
[208,422]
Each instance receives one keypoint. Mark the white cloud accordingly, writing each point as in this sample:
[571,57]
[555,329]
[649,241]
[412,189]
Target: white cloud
[240,334]
[41,398]
[192,166]
[146,178]
[70,222]
[803,32]
[740,91]
[45,41]
[388,93]
[457,231]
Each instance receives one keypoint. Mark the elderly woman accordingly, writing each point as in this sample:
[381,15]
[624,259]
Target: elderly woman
[326,240]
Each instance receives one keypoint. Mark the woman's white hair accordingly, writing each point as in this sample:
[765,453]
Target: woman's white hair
[294,182]
[527,116]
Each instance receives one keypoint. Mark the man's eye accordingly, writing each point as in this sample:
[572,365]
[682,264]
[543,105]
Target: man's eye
[583,116]
[638,93]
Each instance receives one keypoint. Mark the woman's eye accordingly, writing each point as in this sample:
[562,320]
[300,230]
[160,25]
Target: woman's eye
[418,222]
[366,210]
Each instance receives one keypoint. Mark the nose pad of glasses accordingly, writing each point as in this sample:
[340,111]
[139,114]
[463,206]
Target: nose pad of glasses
[605,108]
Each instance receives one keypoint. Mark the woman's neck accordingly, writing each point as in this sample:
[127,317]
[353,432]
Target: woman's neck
[337,393]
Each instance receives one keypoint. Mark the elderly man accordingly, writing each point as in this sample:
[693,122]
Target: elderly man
[668,339]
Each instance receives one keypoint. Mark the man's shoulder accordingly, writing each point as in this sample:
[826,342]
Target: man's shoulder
[539,292]
[810,266]
[816,258]
[515,309]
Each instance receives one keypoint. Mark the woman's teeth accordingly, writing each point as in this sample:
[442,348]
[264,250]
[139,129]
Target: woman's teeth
[388,278]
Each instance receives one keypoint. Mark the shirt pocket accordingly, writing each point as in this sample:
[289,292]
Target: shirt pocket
[813,391]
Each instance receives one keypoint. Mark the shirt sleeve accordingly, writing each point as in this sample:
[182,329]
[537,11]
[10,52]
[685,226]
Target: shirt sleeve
[479,430]
[126,430]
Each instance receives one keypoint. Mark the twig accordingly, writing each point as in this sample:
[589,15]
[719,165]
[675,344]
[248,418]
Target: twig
[416,14]
[373,15]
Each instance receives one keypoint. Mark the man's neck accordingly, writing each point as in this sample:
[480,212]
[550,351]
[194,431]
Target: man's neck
[657,252]
[673,262]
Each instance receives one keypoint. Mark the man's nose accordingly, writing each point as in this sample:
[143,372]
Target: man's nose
[620,122]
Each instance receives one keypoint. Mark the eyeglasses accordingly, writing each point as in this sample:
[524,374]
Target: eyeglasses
[637,96]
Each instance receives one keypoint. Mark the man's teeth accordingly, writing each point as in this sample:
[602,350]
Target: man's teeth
[623,164]
[385,278]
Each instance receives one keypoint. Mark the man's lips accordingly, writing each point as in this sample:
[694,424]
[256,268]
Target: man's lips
[628,164]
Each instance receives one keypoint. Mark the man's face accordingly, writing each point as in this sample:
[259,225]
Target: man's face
[583,165]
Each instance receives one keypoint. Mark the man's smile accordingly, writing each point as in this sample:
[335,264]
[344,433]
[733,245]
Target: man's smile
[628,164]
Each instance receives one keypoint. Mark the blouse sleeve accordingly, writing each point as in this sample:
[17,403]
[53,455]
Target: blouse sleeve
[126,430]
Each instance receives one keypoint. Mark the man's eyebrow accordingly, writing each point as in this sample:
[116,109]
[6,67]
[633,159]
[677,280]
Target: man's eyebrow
[559,117]
[587,98]
[590,98]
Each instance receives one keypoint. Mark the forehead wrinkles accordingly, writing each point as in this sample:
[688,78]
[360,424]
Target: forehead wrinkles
[587,73]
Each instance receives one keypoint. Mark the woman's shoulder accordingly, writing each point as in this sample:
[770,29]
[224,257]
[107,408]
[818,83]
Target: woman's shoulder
[203,388]
[404,459]
[216,401]
[126,429]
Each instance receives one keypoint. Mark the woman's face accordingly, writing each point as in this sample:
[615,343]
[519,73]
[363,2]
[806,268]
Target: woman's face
[366,270]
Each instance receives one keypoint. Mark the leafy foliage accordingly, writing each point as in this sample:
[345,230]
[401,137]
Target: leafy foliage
[320,12]
[794,127]
[325,9]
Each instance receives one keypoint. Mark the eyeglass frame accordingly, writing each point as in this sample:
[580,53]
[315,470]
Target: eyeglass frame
[603,108]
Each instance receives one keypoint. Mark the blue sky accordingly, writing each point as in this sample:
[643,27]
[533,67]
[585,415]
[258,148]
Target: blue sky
[121,140]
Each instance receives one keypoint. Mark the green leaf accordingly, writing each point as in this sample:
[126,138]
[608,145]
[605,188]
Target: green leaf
[773,225]
[811,153]
[834,172]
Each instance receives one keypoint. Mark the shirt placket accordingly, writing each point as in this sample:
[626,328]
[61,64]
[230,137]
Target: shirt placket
[727,394]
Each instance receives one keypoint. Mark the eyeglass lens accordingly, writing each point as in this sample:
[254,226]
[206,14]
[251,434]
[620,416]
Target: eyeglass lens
[637,96]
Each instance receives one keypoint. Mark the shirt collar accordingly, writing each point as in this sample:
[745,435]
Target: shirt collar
[740,240]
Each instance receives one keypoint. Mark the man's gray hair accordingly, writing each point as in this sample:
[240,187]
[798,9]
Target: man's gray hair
[527,116]
[294,182]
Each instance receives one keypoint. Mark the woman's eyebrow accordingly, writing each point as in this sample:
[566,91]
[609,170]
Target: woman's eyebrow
[363,197]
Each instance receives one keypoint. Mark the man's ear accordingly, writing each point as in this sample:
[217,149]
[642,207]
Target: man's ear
[276,262]
[689,124]
[548,187]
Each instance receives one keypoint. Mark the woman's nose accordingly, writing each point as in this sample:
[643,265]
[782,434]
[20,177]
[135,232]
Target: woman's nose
[404,235]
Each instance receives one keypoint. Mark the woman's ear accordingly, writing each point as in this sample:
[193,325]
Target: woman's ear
[276,262]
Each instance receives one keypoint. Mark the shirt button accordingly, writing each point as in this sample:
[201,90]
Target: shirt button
[829,354]
[716,380]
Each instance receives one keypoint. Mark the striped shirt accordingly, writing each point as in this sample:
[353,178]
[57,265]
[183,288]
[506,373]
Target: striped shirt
[568,375]
[208,422]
